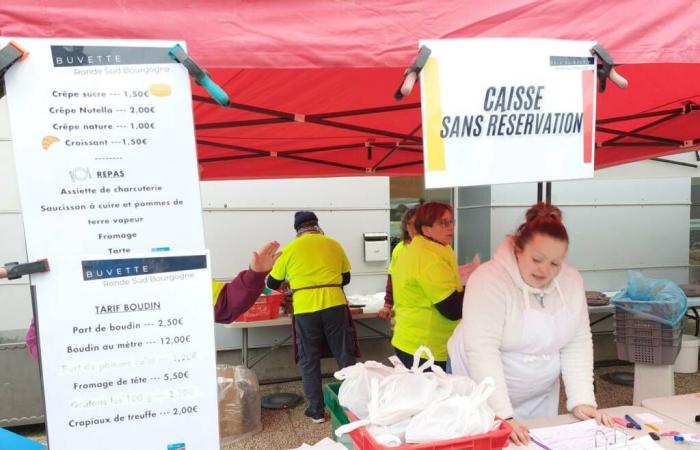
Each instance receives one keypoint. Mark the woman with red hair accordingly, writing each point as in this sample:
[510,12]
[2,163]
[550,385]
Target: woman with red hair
[427,286]
[525,323]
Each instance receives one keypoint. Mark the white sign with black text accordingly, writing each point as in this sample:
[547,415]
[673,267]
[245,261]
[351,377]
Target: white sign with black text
[103,139]
[131,354]
[507,111]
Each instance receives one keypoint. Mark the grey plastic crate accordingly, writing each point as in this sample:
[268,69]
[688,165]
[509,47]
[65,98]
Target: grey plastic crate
[648,341]
[632,330]
[647,354]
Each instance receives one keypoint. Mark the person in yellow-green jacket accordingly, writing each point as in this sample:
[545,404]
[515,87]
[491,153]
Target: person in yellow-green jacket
[408,230]
[427,287]
[317,269]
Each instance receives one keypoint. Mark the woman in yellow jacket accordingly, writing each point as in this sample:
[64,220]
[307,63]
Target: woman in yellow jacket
[427,286]
[408,230]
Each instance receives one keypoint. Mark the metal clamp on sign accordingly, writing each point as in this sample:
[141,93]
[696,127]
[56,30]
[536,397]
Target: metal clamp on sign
[411,74]
[16,270]
[9,55]
[199,75]
[606,69]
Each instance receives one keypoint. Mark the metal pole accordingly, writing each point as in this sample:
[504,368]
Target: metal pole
[244,346]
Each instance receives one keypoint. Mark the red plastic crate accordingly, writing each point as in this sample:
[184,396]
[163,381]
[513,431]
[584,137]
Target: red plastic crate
[494,440]
[266,307]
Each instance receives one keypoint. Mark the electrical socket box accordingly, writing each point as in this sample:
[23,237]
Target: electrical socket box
[376,246]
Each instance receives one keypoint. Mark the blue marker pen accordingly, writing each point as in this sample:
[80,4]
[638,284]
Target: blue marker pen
[633,422]
[687,439]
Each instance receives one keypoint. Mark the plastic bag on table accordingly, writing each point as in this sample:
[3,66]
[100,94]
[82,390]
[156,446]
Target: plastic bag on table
[450,385]
[354,393]
[239,402]
[455,417]
[403,394]
[390,435]
[652,298]
[399,396]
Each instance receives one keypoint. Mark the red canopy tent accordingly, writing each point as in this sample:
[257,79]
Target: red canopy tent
[311,82]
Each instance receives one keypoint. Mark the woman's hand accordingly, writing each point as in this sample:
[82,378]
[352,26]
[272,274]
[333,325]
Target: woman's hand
[520,434]
[384,313]
[465,270]
[264,258]
[585,412]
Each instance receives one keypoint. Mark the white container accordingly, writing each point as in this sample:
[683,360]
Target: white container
[687,360]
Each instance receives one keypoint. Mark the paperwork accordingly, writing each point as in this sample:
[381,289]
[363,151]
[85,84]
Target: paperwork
[586,435]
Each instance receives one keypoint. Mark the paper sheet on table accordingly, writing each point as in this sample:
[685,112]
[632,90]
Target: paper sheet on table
[647,418]
[642,443]
[578,436]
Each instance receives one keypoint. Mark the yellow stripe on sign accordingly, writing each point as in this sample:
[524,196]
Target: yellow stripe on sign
[435,150]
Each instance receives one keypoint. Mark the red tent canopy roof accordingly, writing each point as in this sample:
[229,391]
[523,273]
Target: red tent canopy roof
[312,81]
[360,33]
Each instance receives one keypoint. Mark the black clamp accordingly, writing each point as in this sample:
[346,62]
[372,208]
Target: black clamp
[606,69]
[9,55]
[16,270]
[411,73]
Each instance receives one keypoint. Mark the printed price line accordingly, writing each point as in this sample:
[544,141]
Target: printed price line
[142,109]
[171,340]
[173,322]
[143,126]
[183,410]
[136,94]
[174,376]
[134,141]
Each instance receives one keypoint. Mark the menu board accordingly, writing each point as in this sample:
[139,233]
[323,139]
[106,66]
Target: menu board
[104,145]
[127,353]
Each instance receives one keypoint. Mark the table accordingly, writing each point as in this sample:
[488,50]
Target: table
[682,408]
[286,321]
[668,424]
[608,310]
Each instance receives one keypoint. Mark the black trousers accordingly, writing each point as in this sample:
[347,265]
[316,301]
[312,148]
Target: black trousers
[331,325]
[407,360]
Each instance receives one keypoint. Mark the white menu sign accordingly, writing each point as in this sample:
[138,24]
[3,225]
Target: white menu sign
[128,353]
[104,144]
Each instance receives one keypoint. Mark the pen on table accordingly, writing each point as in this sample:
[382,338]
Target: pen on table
[652,427]
[539,443]
[633,422]
[620,421]
[669,433]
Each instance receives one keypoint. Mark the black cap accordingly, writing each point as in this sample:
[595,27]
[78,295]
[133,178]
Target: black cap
[303,216]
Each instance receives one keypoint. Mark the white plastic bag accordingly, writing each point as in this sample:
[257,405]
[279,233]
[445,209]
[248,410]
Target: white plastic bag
[455,417]
[401,395]
[404,393]
[354,393]
[450,385]
[389,435]
[398,396]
